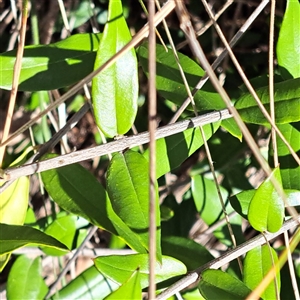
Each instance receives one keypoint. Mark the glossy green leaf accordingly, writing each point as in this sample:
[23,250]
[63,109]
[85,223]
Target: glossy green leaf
[128,190]
[216,284]
[288,45]
[266,209]
[289,169]
[115,90]
[287,103]
[25,280]
[15,236]
[206,199]
[64,229]
[173,150]
[186,250]
[169,81]
[89,285]
[49,67]
[257,264]
[131,289]
[15,199]
[231,126]
[241,201]
[120,267]
[76,190]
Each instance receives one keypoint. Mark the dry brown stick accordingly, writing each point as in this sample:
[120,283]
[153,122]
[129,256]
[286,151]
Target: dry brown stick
[16,76]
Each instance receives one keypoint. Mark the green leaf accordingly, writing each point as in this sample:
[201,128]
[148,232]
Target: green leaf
[206,199]
[76,190]
[131,289]
[241,201]
[169,81]
[64,229]
[266,209]
[216,284]
[289,169]
[186,250]
[49,67]
[173,150]
[15,236]
[231,126]
[287,103]
[25,280]
[120,267]
[128,190]
[89,285]
[288,45]
[15,199]
[257,264]
[115,90]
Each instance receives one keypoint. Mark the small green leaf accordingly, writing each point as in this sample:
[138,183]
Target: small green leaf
[90,284]
[25,280]
[131,289]
[257,264]
[241,201]
[15,199]
[128,190]
[231,126]
[289,169]
[169,81]
[287,103]
[115,90]
[206,199]
[186,250]
[120,267]
[49,67]
[64,229]
[173,150]
[15,236]
[266,209]
[288,45]
[216,284]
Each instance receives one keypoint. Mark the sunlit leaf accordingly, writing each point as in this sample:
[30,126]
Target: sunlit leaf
[240,202]
[289,169]
[266,209]
[115,90]
[173,150]
[169,82]
[13,237]
[90,285]
[49,67]
[128,190]
[25,280]
[216,284]
[257,264]
[287,103]
[129,290]
[64,229]
[120,267]
[288,45]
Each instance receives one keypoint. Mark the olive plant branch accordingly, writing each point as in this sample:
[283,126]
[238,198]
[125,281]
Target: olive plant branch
[194,277]
[111,147]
